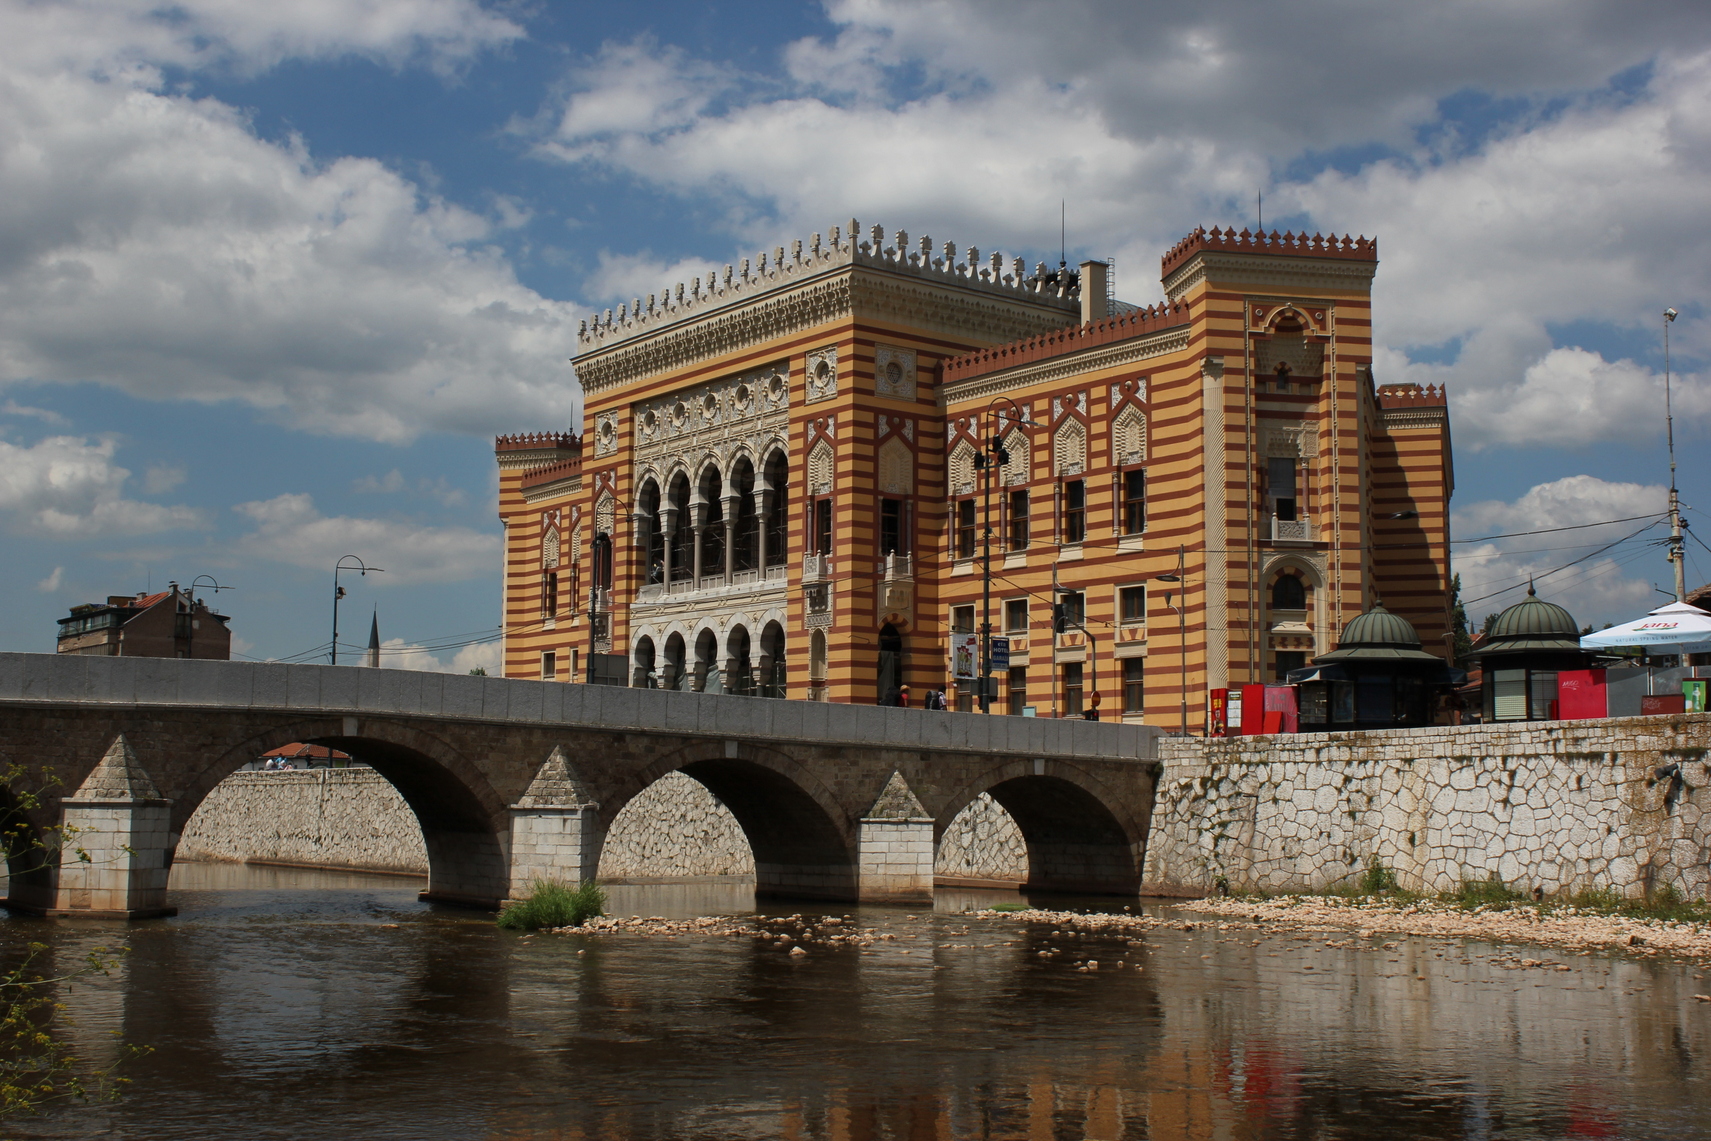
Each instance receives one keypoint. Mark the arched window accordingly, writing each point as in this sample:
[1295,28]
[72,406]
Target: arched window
[712,493]
[647,506]
[746,535]
[683,534]
[1288,593]
[777,521]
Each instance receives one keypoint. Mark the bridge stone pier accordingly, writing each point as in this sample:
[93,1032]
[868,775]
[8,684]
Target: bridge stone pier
[518,781]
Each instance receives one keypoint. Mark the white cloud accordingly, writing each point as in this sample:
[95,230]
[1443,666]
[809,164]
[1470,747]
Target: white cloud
[1610,587]
[393,482]
[161,478]
[1580,200]
[388,484]
[46,415]
[151,242]
[50,584]
[288,529]
[69,486]
[397,654]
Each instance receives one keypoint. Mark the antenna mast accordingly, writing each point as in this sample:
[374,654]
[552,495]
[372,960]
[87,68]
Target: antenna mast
[1063,232]
[1677,549]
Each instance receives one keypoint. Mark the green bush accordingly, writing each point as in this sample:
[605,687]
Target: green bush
[553,904]
[1476,893]
[1010,907]
[1377,879]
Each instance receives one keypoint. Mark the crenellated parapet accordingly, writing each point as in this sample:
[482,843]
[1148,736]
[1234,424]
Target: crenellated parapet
[1134,323]
[1287,244]
[780,269]
[532,441]
[1412,396]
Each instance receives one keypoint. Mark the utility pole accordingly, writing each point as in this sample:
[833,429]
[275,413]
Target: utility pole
[1677,549]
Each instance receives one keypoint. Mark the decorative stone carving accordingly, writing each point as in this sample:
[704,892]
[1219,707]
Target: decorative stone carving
[605,433]
[1289,441]
[1069,448]
[549,550]
[962,469]
[1129,436]
[1020,469]
[894,372]
[606,516]
[896,468]
[822,374]
[820,469]
[1305,358]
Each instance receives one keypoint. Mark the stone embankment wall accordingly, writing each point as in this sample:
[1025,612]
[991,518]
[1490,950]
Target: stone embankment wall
[1556,806]
[333,818]
[353,818]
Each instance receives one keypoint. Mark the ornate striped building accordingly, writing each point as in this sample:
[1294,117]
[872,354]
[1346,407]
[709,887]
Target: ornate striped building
[792,475]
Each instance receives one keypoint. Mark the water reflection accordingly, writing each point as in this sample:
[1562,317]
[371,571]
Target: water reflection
[305,1004]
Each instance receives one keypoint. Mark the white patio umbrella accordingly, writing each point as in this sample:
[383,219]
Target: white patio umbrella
[1685,629]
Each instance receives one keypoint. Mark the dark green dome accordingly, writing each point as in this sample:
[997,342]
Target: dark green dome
[1379,635]
[1532,626]
[1379,627]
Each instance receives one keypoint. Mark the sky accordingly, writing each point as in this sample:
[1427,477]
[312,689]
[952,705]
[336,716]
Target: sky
[273,276]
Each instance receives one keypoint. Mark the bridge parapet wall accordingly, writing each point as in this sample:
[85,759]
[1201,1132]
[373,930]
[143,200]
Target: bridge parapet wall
[1557,806]
[259,686]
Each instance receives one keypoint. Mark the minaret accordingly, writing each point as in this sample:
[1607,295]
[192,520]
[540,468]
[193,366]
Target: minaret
[373,657]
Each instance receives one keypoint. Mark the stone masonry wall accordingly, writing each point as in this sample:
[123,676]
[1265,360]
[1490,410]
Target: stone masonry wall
[1556,806]
[338,818]
[354,818]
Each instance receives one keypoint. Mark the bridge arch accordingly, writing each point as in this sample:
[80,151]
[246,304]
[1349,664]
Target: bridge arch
[801,838]
[1080,838]
[464,822]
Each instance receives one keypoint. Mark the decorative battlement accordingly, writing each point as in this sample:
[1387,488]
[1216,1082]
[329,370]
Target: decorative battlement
[1412,396]
[535,441]
[1274,244]
[842,248]
[551,473]
[1134,323]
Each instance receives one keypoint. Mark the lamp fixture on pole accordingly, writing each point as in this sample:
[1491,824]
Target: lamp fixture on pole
[1677,549]
[1181,630]
[214,585]
[992,456]
[339,592]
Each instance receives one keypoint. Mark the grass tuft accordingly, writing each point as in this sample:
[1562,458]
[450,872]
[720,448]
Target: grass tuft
[553,904]
[1492,893]
[1010,907]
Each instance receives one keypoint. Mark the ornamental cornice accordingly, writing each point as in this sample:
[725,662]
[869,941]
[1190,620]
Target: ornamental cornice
[936,306]
[557,489]
[532,458]
[1275,272]
[1158,344]
[1428,417]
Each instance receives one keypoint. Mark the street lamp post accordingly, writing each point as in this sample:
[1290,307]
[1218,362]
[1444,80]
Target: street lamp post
[993,455]
[214,585]
[1181,631]
[339,592]
[1677,549]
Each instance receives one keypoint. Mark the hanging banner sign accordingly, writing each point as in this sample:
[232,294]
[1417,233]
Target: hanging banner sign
[965,656]
[1000,655]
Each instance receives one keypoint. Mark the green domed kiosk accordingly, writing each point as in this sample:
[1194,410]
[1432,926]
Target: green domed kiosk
[1528,646]
[1378,677]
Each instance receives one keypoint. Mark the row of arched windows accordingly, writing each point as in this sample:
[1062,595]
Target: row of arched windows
[686,532]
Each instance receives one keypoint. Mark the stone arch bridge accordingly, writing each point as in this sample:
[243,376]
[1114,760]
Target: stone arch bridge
[514,781]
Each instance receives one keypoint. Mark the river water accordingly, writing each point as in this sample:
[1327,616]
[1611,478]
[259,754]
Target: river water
[296,1004]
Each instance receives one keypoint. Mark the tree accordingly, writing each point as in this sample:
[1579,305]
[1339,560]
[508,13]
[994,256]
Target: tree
[1458,623]
[478,671]
[38,1068]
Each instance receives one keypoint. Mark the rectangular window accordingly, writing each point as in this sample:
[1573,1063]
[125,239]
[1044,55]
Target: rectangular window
[1280,475]
[1072,689]
[1510,688]
[549,594]
[549,665]
[822,526]
[1134,689]
[1072,609]
[891,527]
[1290,660]
[1542,694]
[1016,616]
[1134,502]
[1074,511]
[962,619]
[1018,520]
[1018,690]
[965,529]
[1132,605]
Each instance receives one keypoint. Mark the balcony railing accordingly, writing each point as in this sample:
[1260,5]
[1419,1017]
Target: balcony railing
[897,568]
[1297,530]
[816,568]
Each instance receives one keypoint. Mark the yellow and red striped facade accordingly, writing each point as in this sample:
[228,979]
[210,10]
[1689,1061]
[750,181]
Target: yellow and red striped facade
[833,403]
